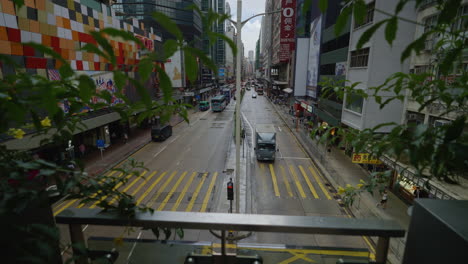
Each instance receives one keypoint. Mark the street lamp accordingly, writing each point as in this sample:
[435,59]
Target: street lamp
[239,24]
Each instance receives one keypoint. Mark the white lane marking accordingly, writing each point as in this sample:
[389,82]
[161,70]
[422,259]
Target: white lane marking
[154,156]
[133,247]
[280,129]
[251,128]
[297,158]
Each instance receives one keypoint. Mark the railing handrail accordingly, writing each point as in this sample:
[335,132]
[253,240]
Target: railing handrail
[237,222]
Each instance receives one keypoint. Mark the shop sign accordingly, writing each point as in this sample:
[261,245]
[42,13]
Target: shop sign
[189,93]
[310,109]
[288,29]
[303,105]
[365,158]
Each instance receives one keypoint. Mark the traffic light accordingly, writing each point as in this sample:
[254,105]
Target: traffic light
[230,190]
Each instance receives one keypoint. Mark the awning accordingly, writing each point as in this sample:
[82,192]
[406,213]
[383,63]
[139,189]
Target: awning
[280,83]
[288,90]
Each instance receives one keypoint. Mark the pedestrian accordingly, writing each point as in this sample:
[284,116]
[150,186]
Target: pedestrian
[383,200]
[82,148]
[125,137]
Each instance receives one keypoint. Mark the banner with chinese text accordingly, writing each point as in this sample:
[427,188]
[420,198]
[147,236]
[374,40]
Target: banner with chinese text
[288,29]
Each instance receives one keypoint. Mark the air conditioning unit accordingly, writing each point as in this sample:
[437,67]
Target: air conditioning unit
[441,122]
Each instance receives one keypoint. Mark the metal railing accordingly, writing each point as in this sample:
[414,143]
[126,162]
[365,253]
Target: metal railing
[383,229]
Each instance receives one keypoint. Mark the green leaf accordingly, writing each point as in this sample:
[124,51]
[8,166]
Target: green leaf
[180,232]
[145,67]
[126,35]
[323,5]
[167,233]
[120,79]
[105,45]
[366,36]
[87,88]
[360,11]
[170,46]
[450,56]
[203,57]
[391,30]
[416,45]
[449,11]
[91,48]
[400,6]
[142,92]
[455,129]
[191,66]
[232,45]
[165,84]
[155,232]
[168,24]
[342,20]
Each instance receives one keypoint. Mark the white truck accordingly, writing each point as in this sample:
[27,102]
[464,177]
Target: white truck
[265,142]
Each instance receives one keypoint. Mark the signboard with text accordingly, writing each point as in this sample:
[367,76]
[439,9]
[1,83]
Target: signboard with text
[288,29]
[365,158]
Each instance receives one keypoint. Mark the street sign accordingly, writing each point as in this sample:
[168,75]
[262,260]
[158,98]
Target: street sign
[364,158]
[100,143]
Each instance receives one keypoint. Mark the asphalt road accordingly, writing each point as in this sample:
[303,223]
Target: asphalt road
[186,173]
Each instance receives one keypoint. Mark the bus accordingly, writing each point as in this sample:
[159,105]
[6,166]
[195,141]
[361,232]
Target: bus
[218,103]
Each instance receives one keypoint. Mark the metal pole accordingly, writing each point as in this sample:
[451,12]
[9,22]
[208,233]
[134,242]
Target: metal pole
[238,87]
[382,250]
[77,237]
[223,243]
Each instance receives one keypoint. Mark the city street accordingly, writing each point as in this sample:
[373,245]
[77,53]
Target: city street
[187,172]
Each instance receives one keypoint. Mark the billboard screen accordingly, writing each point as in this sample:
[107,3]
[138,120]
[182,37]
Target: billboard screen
[288,29]
[314,55]
[300,72]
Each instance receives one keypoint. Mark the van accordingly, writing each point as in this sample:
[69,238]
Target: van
[161,133]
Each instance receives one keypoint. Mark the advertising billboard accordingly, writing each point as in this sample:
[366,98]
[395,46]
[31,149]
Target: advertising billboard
[173,67]
[288,29]
[300,72]
[314,56]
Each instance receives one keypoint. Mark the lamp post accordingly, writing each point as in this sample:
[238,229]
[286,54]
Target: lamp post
[239,24]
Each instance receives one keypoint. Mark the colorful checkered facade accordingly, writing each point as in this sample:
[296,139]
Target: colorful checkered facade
[64,25]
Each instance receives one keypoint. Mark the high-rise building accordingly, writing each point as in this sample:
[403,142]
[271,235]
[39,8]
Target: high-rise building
[230,57]
[188,20]
[217,50]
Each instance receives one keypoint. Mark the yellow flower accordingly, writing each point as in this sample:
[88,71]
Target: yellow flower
[348,185]
[16,133]
[362,181]
[341,190]
[46,122]
[360,185]
[9,98]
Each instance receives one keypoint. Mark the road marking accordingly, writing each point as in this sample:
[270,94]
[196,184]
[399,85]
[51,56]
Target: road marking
[65,207]
[296,180]
[159,152]
[171,192]
[319,182]
[306,178]
[286,182]
[182,194]
[208,193]
[113,189]
[163,187]
[195,194]
[251,128]
[295,158]
[98,192]
[273,178]
[143,183]
[130,185]
[150,188]
[279,128]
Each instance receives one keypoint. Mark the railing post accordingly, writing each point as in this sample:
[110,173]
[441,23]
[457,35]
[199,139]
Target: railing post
[382,250]
[77,237]
[223,243]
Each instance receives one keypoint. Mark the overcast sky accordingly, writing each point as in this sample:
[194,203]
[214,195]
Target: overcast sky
[251,30]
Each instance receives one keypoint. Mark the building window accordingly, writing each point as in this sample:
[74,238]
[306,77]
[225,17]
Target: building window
[419,69]
[354,102]
[461,22]
[359,58]
[369,16]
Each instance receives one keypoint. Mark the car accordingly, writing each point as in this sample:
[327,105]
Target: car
[254,95]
